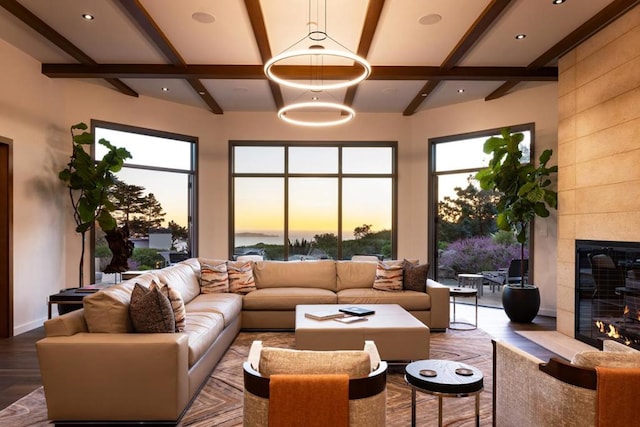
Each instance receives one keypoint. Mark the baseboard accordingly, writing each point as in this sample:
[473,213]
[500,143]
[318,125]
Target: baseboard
[26,327]
[547,312]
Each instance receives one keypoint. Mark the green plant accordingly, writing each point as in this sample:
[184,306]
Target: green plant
[89,184]
[524,187]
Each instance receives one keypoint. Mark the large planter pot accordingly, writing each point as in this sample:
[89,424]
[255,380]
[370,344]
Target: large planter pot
[521,303]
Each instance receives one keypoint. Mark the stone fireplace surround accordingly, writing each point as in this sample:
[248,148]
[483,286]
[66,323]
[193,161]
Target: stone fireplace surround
[598,150]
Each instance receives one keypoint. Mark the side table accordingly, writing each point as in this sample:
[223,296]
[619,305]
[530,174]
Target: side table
[463,293]
[444,378]
[473,280]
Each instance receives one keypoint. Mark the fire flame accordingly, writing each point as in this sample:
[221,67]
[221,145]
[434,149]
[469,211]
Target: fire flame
[611,331]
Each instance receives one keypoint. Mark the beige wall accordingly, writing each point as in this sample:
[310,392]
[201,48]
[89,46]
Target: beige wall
[599,147]
[36,113]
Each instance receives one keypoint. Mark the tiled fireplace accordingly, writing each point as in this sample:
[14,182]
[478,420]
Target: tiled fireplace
[607,292]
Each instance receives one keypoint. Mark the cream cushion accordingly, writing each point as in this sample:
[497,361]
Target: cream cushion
[354,274]
[181,277]
[356,363]
[107,311]
[288,274]
[618,358]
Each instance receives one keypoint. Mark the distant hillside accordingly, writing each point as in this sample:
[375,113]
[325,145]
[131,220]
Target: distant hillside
[256,235]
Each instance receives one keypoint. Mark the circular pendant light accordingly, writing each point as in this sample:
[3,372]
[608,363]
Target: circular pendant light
[301,106]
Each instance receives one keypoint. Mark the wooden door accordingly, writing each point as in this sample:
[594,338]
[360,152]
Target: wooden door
[6,263]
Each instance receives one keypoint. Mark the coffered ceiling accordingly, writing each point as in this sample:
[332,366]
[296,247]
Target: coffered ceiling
[210,53]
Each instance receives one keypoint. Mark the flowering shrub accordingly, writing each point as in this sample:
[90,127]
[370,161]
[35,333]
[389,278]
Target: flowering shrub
[478,254]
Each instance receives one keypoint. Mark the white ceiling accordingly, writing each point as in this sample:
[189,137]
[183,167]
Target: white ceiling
[114,37]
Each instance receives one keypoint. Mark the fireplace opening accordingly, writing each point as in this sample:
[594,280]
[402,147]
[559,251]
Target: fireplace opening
[608,292]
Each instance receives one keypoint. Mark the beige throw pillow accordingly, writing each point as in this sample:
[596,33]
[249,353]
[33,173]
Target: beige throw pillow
[355,363]
[388,276]
[241,277]
[214,278]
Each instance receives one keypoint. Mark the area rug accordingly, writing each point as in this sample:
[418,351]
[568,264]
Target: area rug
[556,342]
[219,403]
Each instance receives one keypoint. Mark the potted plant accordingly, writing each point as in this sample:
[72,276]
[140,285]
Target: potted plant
[89,184]
[524,194]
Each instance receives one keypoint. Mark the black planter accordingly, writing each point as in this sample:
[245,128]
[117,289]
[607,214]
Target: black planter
[521,303]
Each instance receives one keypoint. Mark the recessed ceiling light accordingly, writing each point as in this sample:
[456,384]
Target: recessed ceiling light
[430,19]
[201,93]
[520,36]
[165,89]
[203,17]
[558,1]
[460,90]
[88,16]
[423,94]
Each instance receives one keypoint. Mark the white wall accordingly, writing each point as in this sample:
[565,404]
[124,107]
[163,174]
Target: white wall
[36,113]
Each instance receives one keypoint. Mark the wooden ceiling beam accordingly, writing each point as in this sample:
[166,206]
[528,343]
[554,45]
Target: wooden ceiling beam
[260,33]
[368,31]
[255,72]
[142,18]
[489,15]
[41,27]
[607,15]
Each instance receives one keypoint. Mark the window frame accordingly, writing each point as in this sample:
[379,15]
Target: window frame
[432,197]
[193,176]
[339,175]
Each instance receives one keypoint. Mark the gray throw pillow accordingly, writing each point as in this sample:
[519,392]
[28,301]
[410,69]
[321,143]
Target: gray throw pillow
[151,311]
[415,276]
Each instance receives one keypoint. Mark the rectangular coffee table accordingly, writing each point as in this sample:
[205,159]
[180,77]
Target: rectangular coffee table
[397,334]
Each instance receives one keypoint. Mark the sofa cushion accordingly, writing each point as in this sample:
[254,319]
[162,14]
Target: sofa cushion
[182,277]
[214,278]
[107,311]
[286,298]
[355,274]
[203,328]
[289,274]
[414,276]
[151,311]
[607,359]
[409,300]
[388,276]
[229,305]
[241,278]
[355,363]
[176,302]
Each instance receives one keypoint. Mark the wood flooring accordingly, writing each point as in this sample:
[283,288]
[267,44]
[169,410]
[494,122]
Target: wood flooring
[19,372]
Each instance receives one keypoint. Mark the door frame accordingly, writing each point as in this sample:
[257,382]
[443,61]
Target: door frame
[6,238]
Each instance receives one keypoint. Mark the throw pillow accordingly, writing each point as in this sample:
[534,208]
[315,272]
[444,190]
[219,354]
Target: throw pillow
[414,276]
[214,278]
[176,303]
[150,311]
[591,359]
[388,276]
[241,277]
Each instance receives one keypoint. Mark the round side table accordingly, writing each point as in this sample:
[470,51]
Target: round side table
[463,293]
[443,378]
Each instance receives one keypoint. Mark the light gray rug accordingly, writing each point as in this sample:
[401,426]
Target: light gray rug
[219,403]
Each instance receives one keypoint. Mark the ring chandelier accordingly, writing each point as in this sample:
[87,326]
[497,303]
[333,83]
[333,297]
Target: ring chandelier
[300,106]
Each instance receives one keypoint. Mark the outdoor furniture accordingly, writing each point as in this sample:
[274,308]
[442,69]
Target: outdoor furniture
[472,280]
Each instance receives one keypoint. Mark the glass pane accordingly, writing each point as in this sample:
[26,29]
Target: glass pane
[468,153]
[147,150]
[259,217]
[313,159]
[367,215]
[377,160]
[258,159]
[313,210]
[154,205]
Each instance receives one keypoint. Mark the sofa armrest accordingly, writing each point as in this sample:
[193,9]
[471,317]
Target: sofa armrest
[91,376]
[439,305]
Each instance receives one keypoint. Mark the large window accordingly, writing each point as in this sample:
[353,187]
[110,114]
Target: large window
[154,197]
[464,235]
[296,201]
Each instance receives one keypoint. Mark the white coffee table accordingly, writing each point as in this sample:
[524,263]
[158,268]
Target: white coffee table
[398,335]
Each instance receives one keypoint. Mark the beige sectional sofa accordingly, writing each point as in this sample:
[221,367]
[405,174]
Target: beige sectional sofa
[95,368]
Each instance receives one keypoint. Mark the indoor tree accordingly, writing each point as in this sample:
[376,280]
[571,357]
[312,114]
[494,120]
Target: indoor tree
[89,183]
